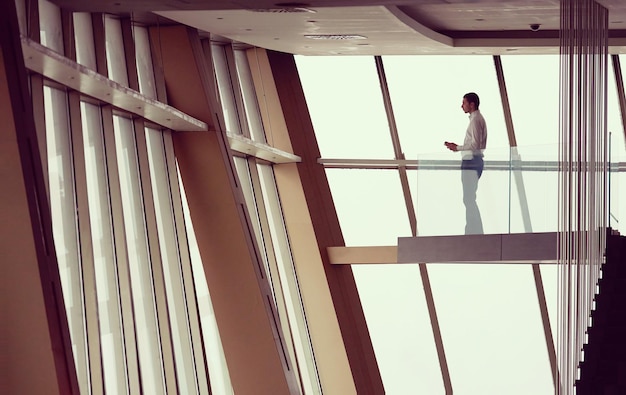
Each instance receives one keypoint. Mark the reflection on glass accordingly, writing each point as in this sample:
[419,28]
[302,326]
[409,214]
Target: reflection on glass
[104,259]
[176,298]
[148,343]
[63,207]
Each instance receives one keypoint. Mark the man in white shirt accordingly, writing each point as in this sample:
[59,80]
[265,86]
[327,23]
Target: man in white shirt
[472,164]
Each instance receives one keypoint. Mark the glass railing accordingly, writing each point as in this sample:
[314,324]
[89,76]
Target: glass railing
[517,191]
[617,193]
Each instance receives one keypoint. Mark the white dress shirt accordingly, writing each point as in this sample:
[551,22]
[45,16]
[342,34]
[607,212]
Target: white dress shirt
[475,136]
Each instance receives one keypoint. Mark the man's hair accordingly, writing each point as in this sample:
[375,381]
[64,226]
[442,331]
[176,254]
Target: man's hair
[472,98]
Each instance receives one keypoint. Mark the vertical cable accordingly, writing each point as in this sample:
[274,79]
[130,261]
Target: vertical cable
[582,175]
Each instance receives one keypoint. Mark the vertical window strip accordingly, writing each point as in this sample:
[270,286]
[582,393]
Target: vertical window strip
[279,283]
[249,98]
[51,28]
[83,40]
[145,71]
[93,332]
[120,251]
[172,269]
[22,20]
[116,60]
[141,269]
[293,300]
[62,205]
[107,286]
[235,84]
[225,89]
[175,379]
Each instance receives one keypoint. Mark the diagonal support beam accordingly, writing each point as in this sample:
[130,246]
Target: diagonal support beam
[519,181]
[402,171]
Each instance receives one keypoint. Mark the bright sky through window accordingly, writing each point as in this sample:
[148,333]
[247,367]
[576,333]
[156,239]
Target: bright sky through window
[489,314]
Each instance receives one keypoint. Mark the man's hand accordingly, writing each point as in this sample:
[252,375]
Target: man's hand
[451,146]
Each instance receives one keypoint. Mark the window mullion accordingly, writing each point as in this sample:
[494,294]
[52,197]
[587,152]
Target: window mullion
[96,381]
[119,240]
[236,87]
[155,259]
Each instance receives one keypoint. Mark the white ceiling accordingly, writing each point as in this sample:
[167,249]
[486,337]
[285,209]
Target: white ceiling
[389,27]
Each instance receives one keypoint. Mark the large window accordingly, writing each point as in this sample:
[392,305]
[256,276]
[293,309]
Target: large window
[129,286]
[257,182]
[489,342]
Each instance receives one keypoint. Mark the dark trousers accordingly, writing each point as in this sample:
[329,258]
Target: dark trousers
[471,170]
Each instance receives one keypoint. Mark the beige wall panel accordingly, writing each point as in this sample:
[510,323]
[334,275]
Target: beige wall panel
[312,225]
[328,346]
[33,353]
[255,360]
[178,57]
[26,339]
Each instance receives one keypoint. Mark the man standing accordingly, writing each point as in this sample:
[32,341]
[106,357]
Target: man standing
[472,164]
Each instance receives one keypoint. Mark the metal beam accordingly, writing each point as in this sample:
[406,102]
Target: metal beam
[65,71]
[402,171]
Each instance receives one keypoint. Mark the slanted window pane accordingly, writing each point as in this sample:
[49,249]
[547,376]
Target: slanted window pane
[148,343]
[144,62]
[116,59]
[83,35]
[227,96]
[299,333]
[104,259]
[20,6]
[249,98]
[172,270]
[50,27]
[63,208]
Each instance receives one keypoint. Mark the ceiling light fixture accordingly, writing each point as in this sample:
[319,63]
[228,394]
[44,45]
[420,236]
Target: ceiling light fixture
[283,10]
[335,36]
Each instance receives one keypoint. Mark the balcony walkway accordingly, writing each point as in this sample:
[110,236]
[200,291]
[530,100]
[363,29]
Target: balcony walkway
[513,248]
